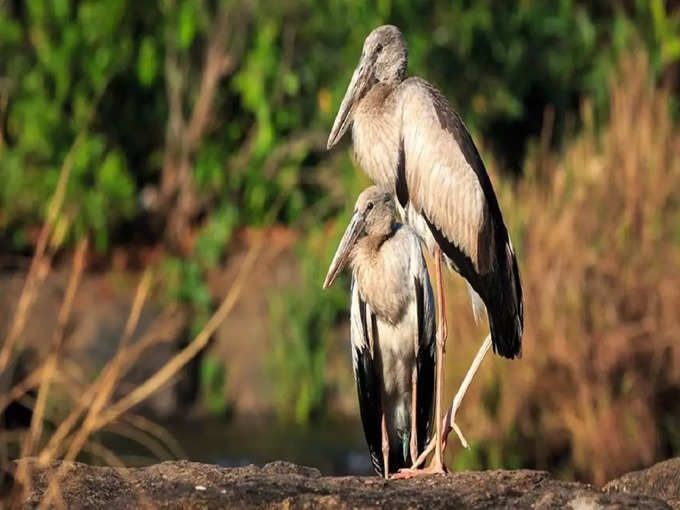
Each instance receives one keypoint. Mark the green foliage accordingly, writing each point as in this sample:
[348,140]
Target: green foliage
[147,62]
[213,376]
[66,70]
[184,282]
[57,62]
[214,236]
[301,321]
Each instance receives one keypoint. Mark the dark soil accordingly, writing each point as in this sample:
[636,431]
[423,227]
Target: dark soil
[190,485]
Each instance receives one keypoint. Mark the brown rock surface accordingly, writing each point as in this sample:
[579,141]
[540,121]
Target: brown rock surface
[190,485]
[661,480]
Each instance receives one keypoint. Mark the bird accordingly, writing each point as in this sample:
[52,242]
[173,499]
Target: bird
[407,138]
[392,330]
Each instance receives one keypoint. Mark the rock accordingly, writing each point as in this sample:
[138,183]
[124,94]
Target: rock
[661,480]
[281,467]
[184,484]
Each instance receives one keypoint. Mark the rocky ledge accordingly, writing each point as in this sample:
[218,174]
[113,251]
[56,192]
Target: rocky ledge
[189,485]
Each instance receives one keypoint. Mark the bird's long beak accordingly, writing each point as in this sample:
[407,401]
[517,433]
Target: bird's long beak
[349,239]
[355,91]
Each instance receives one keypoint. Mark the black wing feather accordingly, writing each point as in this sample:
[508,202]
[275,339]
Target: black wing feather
[426,366]
[368,391]
[401,185]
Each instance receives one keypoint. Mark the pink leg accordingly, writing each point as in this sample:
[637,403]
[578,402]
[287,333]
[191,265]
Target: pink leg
[414,417]
[450,418]
[437,462]
[385,448]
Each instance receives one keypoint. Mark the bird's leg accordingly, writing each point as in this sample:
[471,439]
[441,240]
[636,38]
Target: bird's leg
[385,448]
[437,463]
[449,422]
[450,418]
[414,417]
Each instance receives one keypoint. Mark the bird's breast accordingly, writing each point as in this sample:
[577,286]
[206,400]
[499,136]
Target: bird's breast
[383,280]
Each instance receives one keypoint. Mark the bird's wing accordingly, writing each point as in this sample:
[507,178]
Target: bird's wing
[362,330]
[443,176]
[426,357]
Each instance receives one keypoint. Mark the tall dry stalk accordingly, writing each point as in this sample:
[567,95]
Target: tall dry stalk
[40,263]
[50,365]
[57,343]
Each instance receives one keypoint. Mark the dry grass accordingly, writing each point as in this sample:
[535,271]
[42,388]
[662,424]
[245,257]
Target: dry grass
[597,229]
[90,407]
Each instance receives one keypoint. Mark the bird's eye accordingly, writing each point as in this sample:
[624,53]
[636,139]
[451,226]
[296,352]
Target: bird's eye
[378,48]
[369,206]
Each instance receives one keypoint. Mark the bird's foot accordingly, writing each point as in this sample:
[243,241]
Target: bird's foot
[436,465]
[434,468]
[405,474]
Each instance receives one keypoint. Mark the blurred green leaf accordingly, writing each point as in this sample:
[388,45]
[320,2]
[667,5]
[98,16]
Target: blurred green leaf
[147,62]
[215,235]
[213,376]
[187,24]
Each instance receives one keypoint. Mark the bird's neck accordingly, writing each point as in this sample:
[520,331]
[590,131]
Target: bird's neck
[368,247]
[375,98]
[378,269]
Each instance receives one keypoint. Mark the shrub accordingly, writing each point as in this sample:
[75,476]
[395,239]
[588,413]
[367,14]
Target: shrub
[596,229]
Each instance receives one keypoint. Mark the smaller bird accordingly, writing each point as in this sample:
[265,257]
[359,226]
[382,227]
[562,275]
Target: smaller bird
[392,330]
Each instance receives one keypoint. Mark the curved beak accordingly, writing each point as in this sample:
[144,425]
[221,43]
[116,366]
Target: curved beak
[355,91]
[349,239]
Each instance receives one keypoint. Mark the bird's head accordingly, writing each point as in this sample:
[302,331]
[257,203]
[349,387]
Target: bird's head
[383,60]
[374,216]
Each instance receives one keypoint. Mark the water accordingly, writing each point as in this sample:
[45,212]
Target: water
[335,447]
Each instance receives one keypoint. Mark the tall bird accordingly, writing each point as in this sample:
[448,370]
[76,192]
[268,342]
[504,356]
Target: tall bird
[408,138]
[392,330]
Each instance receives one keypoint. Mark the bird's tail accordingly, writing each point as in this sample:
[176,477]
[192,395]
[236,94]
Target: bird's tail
[505,307]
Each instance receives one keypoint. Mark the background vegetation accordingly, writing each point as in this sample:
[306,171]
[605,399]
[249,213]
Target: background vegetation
[158,133]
